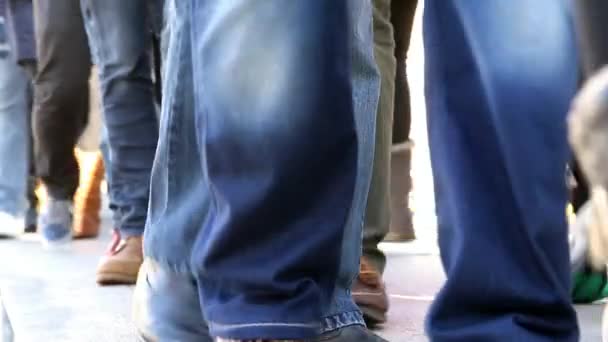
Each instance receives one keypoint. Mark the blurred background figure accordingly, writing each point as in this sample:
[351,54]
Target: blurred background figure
[15,100]
[388,216]
[120,38]
[588,132]
[61,108]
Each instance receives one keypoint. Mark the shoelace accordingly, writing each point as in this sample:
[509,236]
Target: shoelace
[115,243]
[368,274]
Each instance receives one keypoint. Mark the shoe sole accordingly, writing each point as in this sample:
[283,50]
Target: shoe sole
[11,233]
[373,317]
[83,236]
[60,244]
[399,238]
[113,278]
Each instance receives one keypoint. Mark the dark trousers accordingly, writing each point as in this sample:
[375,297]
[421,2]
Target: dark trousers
[402,18]
[392,29]
[61,93]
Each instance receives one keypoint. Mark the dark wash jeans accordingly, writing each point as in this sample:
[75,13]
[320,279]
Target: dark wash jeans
[499,80]
[120,37]
[262,171]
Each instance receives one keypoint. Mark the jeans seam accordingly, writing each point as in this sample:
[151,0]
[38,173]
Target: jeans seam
[265,324]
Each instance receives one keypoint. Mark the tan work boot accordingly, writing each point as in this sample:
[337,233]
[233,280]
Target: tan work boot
[121,263]
[87,201]
[370,295]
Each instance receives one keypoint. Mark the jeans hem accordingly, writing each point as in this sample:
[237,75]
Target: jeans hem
[289,330]
[343,320]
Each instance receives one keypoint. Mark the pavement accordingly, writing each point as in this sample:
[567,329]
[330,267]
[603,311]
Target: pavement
[52,295]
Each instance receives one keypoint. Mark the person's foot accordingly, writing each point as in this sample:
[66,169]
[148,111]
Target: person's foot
[122,262]
[588,284]
[166,306]
[31,220]
[370,294]
[353,333]
[87,201]
[10,225]
[55,223]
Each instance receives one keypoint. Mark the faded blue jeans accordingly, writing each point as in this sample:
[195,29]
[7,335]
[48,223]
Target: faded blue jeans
[500,76]
[14,125]
[264,161]
[120,38]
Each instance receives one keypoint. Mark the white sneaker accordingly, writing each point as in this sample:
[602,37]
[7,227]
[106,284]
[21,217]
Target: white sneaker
[11,226]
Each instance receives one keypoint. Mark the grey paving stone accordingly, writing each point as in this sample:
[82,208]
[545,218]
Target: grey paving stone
[52,296]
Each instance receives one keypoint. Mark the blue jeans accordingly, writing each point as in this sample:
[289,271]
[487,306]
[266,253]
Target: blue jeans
[264,145]
[500,76]
[14,125]
[120,35]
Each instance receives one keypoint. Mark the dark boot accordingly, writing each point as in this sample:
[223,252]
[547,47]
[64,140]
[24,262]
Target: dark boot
[370,294]
[401,228]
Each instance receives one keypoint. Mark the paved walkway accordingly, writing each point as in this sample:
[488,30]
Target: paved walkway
[52,296]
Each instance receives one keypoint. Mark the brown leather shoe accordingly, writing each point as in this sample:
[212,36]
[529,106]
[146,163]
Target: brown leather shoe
[121,263]
[370,294]
[87,201]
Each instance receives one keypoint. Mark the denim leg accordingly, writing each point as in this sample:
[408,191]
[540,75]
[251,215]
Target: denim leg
[14,140]
[378,215]
[179,198]
[181,192]
[278,140]
[120,39]
[500,76]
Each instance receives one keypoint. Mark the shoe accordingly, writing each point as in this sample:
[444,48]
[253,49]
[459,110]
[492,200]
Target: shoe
[401,228]
[121,263]
[31,220]
[370,295]
[55,223]
[353,333]
[589,284]
[87,201]
[166,306]
[10,225]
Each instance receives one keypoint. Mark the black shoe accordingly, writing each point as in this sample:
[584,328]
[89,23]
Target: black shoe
[31,220]
[353,333]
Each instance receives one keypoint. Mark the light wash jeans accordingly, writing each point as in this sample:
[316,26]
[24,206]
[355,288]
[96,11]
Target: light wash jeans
[14,139]
[264,161]
[120,36]
[500,76]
